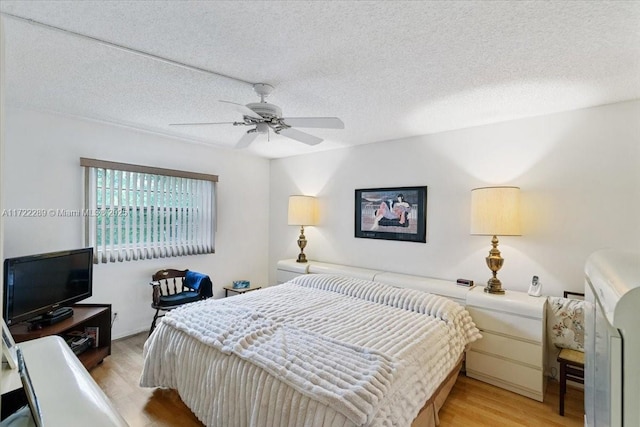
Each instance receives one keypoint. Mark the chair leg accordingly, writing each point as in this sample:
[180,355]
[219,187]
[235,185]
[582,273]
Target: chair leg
[563,386]
[153,323]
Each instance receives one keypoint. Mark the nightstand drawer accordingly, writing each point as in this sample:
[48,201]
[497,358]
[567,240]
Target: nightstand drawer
[509,348]
[507,324]
[503,373]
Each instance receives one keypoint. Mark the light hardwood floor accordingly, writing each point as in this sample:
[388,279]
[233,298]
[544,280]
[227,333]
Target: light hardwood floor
[471,402]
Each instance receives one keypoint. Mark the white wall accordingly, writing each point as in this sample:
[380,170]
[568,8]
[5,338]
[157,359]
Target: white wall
[579,174]
[41,170]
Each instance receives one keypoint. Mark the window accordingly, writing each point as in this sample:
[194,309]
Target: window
[137,212]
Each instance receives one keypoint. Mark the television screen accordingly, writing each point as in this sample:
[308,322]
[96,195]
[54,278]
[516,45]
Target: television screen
[37,284]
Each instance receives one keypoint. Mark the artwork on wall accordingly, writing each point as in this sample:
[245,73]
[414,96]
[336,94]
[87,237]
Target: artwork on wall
[395,213]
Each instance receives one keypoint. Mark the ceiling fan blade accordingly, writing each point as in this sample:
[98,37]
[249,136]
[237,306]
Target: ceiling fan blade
[244,110]
[314,122]
[198,124]
[247,139]
[300,136]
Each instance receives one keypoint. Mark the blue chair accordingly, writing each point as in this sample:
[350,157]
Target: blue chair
[174,288]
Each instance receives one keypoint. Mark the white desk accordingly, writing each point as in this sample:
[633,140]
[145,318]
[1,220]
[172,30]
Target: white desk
[67,394]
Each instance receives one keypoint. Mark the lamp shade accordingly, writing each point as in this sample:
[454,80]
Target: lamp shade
[495,211]
[303,210]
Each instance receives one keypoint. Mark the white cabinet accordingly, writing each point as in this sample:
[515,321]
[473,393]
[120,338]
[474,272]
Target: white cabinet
[511,354]
[611,340]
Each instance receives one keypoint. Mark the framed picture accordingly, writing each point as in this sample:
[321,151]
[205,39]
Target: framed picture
[396,213]
[8,347]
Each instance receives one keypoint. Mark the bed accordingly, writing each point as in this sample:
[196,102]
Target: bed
[319,350]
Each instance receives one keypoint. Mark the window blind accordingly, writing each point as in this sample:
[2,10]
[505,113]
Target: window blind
[135,212]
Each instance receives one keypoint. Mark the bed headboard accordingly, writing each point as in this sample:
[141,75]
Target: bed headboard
[289,268]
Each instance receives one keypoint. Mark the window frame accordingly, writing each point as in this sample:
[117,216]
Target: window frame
[201,242]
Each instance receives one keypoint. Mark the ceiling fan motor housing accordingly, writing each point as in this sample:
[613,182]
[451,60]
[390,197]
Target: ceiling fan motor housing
[265,109]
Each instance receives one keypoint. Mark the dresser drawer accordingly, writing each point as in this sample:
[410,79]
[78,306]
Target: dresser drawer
[523,379]
[507,324]
[509,348]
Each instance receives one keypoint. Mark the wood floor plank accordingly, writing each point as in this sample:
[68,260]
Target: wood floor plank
[471,403]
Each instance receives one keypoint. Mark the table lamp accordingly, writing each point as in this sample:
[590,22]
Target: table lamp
[303,210]
[495,211]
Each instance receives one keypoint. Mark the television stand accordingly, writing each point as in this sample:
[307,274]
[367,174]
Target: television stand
[94,316]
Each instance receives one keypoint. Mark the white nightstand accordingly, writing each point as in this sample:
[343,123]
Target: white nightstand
[511,354]
[289,269]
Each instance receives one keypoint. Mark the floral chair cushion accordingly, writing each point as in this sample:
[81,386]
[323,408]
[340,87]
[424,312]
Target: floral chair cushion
[566,323]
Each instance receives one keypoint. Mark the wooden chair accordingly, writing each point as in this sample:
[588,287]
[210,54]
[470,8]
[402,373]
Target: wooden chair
[171,290]
[571,365]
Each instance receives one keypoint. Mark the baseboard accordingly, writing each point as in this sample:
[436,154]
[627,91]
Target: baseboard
[128,334]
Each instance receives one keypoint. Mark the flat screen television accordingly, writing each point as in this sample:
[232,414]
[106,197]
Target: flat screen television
[39,284]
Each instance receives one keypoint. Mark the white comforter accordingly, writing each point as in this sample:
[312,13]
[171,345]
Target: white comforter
[317,351]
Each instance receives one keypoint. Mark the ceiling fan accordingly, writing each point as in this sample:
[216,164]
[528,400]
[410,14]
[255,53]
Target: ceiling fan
[265,116]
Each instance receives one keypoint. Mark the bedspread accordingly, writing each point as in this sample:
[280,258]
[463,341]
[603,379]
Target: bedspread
[319,350]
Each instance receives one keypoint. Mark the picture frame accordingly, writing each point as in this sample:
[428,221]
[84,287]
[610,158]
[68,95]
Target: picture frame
[392,213]
[9,356]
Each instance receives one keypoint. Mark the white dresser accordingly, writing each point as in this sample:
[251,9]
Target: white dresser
[511,354]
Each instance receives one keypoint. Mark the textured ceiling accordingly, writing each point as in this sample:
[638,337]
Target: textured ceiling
[388,69]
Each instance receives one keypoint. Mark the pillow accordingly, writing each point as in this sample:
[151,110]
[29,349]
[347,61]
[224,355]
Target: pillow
[565,324]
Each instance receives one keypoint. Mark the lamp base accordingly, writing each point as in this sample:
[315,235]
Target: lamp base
[494,262]
[302,243]
[494,286]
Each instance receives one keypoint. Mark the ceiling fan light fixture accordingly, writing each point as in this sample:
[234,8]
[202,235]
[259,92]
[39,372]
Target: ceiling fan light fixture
[262,128]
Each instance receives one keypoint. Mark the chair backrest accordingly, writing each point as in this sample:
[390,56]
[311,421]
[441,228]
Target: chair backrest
[566,321]
[171,281]
[568,294]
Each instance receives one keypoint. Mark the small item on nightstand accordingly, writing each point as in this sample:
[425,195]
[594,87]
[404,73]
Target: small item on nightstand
[535,290]
[465,282]
[241,284]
